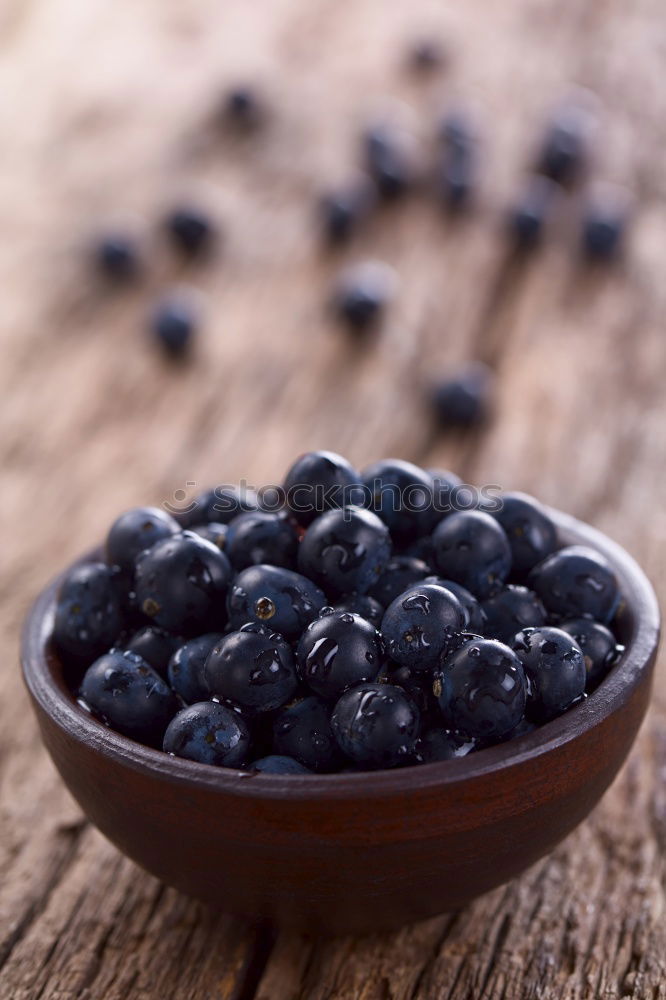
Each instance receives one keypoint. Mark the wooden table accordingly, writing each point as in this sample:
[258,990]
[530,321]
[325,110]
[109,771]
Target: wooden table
[104,110]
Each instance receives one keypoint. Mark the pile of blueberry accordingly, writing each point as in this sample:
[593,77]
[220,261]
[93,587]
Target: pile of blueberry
[344,622]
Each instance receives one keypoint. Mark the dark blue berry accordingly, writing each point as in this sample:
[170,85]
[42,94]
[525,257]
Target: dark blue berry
[319,481]
[338,651]
[376,725]
[129,696]
[564,148]
[417,684]
[598,644]
[463,399]
[363,605]
[174,322]
[510,610]
[605,221]
[529,216]
[443,744]
[402,495]
[387,162]
[116,256]
[219,505]
[475,619]
[252,669]
[243,107]
[88,616]
[181,584]
[576,582]
[186,667]
[260,537]
[191,230]
[445,490]
[457,166]
[209,734]
[343,211]
[400,574]
[472,548]
[275,764]
[133,532]
[419,625]
[303,731]
[426,55]
[530,530]
[284,601]
[482,690]
[362,295]
[155,646]
[345,551]
[555,668]
[214,533]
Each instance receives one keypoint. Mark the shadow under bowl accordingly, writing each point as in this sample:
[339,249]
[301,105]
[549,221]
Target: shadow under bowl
[352,853]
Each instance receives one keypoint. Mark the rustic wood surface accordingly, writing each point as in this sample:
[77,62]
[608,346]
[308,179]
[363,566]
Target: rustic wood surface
[105,112]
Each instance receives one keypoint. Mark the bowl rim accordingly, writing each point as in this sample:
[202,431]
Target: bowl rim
[635,662]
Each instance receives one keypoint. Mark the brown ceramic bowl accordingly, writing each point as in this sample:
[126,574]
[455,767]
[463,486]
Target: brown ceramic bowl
[352,852]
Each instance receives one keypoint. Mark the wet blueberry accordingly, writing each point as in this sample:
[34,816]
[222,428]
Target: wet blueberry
[400,574]
[181,584]
[417,684]
[88,616]
[463,398]
[345,551]
[362,294]
[363,605]
[210,734]
[129,696]
[419,625]
[443,744]
[174,322]
[475,619]
[337,652]
[186,667]
[472,548]
[388,162]
[319,481]
[219,505]
[446,486]
[482,690]
[402,495]
[155,646]
[252,669]
[511,609]
[598,644]
[376,725]
[191,230]
[531,532]
[261,537]
[284,601]
[276,764]
[530,214]
[576,582]
[343,211]
[214,533]
[116,257]
[303,731]
[134,531]
[555,669]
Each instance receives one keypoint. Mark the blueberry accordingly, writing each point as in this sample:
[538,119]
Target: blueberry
[345,551]
[129,696]
[426,55]
[343,211]
[191,230]
[598,644]
[319,481]
[564,148]
[401,572]
[555,668]
[419,625]
[186,667]
[303,731]
[482,690]
[376,725]
[133,532]
[530,214]
[219,505]
[363,605]
[243,107]
[275,764]
[337,652]
[284,601]
[510,610]
[181,584]
[604,225]
[576,582]
[88,616]
[260,537]
[475,619]
[463,398]
[402,495]
[443,744]
[387,161]
[362,295]
[531,532]
[214,533]
[472,548]
[457,166]
[116,256]
[252,669]
[155,646]
[210,734]
[174,323]
[417,684]
[445,491]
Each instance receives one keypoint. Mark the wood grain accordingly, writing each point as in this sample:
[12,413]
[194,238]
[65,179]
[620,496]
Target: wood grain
[105,112]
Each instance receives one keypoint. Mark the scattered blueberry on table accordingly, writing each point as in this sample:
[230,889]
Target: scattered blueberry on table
[347,652]
[174,324]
